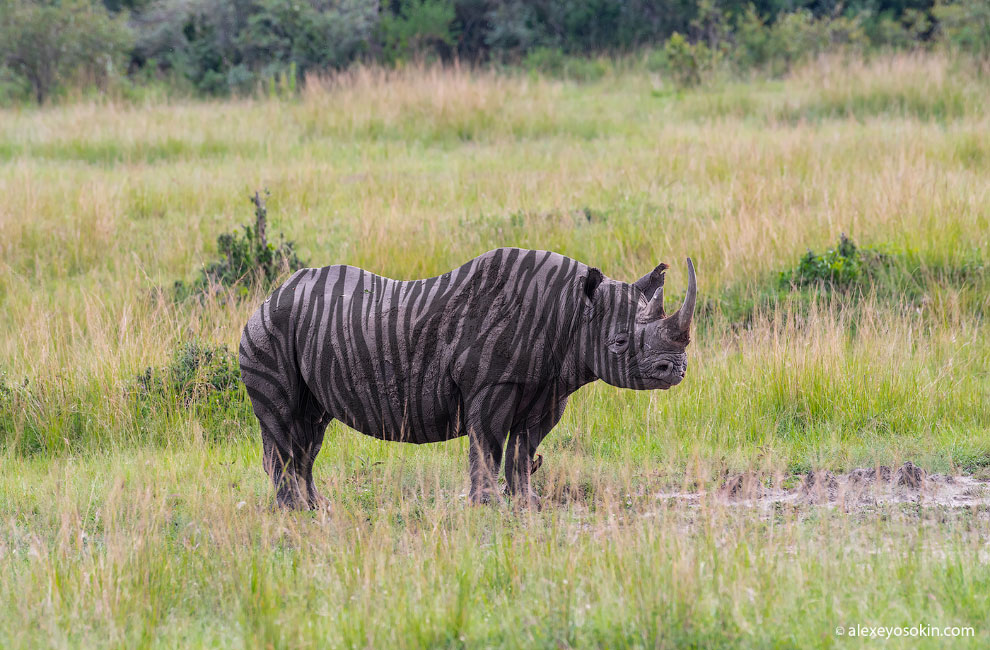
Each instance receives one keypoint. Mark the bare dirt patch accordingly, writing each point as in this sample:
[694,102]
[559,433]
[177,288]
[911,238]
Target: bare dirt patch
[860,488]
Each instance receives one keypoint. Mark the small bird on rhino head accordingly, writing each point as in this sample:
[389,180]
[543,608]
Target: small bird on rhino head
[490,350]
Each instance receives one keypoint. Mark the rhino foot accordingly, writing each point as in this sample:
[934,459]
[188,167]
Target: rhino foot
[531,501]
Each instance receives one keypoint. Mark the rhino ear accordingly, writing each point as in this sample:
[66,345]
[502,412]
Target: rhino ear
[649,283]
[591,282]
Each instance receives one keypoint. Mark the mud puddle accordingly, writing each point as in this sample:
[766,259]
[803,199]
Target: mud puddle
[860,488]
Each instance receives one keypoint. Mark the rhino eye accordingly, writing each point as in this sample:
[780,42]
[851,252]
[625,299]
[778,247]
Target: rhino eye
[619,343]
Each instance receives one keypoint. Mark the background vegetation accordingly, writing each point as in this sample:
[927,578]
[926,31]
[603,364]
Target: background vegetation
[133,508]
[217,47]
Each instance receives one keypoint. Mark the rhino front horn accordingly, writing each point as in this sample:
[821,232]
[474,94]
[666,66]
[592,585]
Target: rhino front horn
[682,317]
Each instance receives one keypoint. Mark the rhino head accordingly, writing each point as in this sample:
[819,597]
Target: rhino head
[627,339]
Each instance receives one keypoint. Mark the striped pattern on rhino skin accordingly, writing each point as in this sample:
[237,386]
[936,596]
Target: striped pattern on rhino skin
[492,347]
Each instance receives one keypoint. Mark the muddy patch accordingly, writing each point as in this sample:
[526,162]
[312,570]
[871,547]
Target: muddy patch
[860,488]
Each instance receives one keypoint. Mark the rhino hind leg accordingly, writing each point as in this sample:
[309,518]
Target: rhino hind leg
[290,466]
[489,416]
[292,426]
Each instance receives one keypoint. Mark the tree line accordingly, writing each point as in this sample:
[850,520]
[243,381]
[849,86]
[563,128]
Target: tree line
[218,47]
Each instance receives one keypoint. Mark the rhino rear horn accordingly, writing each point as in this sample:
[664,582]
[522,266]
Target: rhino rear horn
[652,310]
[652,287]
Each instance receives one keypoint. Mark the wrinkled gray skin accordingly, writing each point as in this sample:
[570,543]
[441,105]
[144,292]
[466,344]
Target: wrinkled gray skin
[491,350]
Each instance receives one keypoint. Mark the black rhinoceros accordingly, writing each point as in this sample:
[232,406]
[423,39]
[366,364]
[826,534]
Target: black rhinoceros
[491,350]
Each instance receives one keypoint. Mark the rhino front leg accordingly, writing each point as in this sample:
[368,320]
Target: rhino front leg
[489,416]
[521,459]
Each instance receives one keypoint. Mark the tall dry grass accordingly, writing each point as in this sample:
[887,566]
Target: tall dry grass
[132,525]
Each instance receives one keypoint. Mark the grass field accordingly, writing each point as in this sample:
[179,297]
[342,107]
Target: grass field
[129,520]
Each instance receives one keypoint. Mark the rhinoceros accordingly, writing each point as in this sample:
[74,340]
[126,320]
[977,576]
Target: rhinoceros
[490,350]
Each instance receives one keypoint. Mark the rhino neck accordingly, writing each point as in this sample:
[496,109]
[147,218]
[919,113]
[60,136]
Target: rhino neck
[574,372]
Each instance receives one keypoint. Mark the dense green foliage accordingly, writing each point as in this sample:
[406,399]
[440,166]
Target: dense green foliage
[44,45]
[216,47]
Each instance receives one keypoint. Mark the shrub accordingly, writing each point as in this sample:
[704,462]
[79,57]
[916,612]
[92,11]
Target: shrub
[911,29]
[248,259]
[964,25]
[196,374]
[753,39]
[513,29]
[846,271]
[420,29]
[199,379]
[13,87]
[687,62]
[280,34]
[841,267]
[710,26]
[220,46]
[50,43]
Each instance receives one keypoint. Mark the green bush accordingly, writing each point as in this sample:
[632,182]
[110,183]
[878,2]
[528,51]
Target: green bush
[964,25]
[306,36]
[582,27]
[845,271]
[841,267]
[911,29]
[248,259]
[847,274]
[218,46]
[687,62]
[197,374]
[49,44]
[14,87]
[199,379]
[419,29]
[797,36]
[753,39]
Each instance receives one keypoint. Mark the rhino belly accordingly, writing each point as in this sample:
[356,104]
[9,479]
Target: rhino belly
[390,406]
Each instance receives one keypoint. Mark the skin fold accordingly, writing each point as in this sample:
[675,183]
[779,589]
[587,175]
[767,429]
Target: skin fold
[490,350]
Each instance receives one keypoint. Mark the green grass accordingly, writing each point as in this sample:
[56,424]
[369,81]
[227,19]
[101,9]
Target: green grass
[132,517]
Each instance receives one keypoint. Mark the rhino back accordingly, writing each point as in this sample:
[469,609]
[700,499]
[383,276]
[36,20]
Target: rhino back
[516,323]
